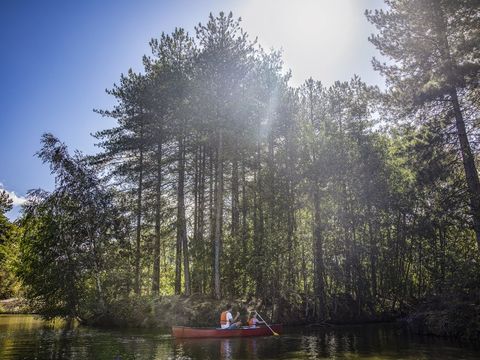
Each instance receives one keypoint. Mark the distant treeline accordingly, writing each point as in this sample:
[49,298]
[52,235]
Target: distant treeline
[221,179]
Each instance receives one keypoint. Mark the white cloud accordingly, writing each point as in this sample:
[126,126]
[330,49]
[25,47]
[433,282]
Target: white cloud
[17,200]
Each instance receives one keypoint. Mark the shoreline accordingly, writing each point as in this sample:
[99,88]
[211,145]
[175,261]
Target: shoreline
[15,306]
[456,319]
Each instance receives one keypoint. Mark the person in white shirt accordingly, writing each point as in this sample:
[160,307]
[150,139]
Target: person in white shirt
[227,321]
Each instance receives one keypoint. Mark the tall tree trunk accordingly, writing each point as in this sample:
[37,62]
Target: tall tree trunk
[318,261]
[373,256]
[181,220]
[441,233]
[244,223]
[158,215]
[471,173]
[211,212]
[258,227]
[235,200]
[290,239]
[198,256]
[319,267]
[139,218]
[290,209]
[179,242]
[195,243]
[201,219]
[218,216]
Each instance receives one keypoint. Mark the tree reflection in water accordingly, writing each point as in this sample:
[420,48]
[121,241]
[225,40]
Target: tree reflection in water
[26,337]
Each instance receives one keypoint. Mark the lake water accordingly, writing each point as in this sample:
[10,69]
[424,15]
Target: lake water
[27,337]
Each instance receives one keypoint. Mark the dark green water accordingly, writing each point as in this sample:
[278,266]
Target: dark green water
[26,337]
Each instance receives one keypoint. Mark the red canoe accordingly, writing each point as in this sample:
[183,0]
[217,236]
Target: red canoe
[188,332]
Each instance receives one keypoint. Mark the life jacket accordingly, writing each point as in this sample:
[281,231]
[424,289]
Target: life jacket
[223,318]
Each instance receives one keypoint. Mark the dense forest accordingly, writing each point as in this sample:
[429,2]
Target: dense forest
[223,181]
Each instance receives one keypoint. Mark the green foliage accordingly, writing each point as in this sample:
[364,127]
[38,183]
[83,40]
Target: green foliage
[9,234]
[6,203]
[222,180]
[67,234]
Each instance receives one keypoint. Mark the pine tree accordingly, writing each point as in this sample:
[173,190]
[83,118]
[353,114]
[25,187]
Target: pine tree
[436,68]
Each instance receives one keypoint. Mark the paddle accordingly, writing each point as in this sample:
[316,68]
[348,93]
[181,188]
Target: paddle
[273,332]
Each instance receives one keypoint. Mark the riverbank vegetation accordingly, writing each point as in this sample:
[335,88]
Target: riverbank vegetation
[222,181]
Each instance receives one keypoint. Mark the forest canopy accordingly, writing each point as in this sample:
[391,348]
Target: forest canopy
[223,180]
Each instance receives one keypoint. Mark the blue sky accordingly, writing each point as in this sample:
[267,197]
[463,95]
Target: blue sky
[58,57]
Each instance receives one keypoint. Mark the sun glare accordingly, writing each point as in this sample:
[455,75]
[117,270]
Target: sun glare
[319,37]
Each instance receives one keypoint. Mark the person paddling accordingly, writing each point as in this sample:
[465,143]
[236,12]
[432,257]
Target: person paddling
[253,321]
[227,321]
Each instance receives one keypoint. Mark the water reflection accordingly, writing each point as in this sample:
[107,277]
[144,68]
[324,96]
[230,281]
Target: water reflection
[227,349]
[26,337]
